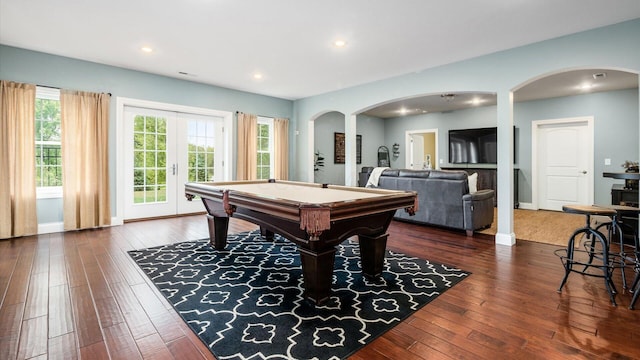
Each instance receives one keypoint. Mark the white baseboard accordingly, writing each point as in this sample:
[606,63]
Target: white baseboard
[49,228]
[527,206]
[505,239]
[54,227]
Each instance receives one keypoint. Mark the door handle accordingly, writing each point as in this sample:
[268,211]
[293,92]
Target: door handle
[584,171]
[174,168]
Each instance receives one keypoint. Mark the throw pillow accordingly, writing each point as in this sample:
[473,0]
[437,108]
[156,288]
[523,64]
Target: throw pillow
[473,183]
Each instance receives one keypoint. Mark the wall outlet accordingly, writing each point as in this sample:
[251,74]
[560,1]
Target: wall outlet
[441,161]
[607,161]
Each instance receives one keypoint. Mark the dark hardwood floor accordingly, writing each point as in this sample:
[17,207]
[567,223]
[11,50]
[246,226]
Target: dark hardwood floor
[79,295]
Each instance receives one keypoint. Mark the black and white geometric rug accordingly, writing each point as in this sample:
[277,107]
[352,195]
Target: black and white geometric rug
[246,302]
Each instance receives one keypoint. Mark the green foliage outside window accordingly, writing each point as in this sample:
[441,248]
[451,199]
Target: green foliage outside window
[264,157]
[47,142]
[149,159]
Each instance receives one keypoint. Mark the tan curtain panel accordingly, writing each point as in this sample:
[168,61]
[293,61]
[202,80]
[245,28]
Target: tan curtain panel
[247,161]
[281,148]
[17,160]
[85,159]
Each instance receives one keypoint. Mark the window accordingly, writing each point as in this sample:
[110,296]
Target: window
[47,143]
[265,148]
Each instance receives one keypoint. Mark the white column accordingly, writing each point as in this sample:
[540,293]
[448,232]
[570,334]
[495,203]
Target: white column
[350,176]
[505,234]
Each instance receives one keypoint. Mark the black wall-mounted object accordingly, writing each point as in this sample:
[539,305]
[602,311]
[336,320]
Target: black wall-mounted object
[475,146]
[383,156]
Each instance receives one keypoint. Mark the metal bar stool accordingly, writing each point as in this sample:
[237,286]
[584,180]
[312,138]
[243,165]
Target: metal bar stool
[635,287]
[616,233]
[601,253]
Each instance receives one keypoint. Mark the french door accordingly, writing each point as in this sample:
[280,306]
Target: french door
[163,150]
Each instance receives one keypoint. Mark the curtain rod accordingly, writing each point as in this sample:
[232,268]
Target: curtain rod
[55,87]
[267,116]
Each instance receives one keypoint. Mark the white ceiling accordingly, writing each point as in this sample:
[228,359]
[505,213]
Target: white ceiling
[224,42]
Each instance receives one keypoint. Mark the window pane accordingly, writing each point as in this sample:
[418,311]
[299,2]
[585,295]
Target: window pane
[48,159]
[150,124]
[138,194]
[150,194]
[138,141]
[162,193]
[138,177]
[162,176]
[138,124]
[138,159]
[162,159]
[162,142]
[150,177]
[162,126]
[151,159]
[150,142]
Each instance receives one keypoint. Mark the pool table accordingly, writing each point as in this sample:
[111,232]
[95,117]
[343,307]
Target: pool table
[315,217]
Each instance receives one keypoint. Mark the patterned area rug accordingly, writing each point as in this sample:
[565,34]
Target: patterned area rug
[246,302]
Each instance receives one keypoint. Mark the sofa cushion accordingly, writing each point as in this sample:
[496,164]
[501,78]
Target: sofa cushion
[422,174]
[448,175]
[473,183]
[391,172]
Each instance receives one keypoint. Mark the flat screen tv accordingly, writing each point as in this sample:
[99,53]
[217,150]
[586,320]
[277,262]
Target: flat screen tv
[474,146]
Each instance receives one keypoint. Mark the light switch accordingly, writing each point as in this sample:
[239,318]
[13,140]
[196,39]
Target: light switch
[441,161]
[607,161]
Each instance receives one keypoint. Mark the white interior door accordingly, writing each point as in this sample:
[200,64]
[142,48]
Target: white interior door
[417,148]
[416,145]
[565,163]
[163,150]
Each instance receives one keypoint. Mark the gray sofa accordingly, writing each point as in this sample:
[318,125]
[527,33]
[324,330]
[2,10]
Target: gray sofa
[443,197]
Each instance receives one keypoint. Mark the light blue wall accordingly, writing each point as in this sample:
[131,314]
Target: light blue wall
[498,73]
[615,125]
[325,127]
[56,71]
[616,132]
[396,128]
[371,129]
[614,47]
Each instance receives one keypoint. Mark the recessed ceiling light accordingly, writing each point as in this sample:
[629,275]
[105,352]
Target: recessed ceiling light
[476,101]
[257,76]
[146,49]
[340,43]
[448,96]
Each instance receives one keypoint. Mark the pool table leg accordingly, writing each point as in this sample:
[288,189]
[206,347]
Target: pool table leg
[317,269]
[267,234]
[218,228]
[372,252]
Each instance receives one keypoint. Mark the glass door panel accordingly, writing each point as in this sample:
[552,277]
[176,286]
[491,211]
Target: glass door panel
[149,163]
[201,143]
